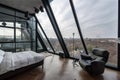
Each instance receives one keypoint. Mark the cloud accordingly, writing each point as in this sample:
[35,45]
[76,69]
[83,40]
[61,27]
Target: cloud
[97,18]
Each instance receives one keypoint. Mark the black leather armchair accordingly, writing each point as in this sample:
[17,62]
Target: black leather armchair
[94,64]
[101,53]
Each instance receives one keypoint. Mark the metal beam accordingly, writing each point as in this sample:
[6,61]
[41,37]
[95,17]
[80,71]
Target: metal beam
[55,26]
[78,25]
[36,42]
[15,31]
[118,63]
[38,36]
[41,41]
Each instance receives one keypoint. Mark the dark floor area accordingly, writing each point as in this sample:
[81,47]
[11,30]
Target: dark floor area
[56,68]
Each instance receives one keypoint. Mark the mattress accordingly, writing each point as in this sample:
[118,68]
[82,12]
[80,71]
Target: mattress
[17,60]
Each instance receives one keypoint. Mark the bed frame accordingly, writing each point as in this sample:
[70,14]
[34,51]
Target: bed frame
[20,70]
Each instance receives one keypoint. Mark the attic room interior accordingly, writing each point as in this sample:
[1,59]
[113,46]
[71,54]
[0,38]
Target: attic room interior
[59,40]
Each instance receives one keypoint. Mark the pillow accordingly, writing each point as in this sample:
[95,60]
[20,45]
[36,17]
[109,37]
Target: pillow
[2,53]
[1,58]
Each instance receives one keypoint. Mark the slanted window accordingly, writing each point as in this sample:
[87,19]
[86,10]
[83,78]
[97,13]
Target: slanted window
[99,23]
[47,27]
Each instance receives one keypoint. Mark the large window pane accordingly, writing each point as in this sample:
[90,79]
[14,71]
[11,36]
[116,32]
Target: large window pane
[5,23]
[19,14]
[99,23]
[6,10]
[6,18]
[8,47]
[6,34]
[44,20]
[32,28]
[23,46]
[68,28]
[17,32]
[26,31]
[22,31]
[44,38]
[39,46]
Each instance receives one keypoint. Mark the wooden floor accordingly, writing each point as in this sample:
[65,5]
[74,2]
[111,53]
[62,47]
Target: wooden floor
[56,68]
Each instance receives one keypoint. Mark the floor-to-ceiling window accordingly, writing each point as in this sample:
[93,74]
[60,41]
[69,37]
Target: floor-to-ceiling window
[49,31]
[45,38]
[7,31]
[99,23]
[17,32]
[64,17]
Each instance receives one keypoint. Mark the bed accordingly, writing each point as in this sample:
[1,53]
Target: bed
[13,63]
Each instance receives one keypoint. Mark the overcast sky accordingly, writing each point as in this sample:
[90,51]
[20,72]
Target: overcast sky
[97,18]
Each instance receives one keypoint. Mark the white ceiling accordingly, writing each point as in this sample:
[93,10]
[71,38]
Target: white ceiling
[23,5]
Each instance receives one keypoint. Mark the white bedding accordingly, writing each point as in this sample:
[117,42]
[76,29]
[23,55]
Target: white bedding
[17,60]
[6,64]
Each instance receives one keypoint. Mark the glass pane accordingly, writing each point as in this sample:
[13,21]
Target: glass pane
[6,34]
[6,18]
[22,31]
[7,11]
[19,14]
[99,23]
[8,47]
[44,39]
[68,28]
[5,23]
[44,20]
[33,46]
[32,28]
[23,46]
[25,32]
[39,45]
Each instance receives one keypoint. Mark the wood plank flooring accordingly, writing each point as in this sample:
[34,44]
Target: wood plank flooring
[56,68]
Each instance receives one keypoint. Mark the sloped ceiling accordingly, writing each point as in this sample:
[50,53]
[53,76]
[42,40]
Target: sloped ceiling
[23,5]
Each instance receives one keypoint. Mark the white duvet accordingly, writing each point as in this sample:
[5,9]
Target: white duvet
[17,60]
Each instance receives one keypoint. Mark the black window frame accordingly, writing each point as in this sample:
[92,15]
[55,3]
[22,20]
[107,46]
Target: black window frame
[54,22]
[14,28]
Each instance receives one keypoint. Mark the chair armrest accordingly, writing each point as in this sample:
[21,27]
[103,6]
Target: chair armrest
[100,52]
[86,57]
[98,59]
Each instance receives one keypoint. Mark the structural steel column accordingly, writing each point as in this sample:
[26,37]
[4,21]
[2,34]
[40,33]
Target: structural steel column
[118,35]
[78,25]
[45,34]
[55,26]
